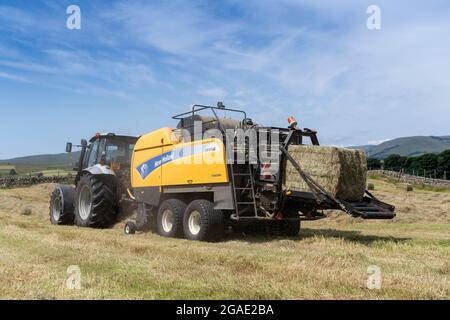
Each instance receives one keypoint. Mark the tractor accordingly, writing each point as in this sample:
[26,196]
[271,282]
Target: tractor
[101,183]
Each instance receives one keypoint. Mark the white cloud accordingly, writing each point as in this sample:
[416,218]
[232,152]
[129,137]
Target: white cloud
[377,142]
[179,27]
[7,76]
[216,93]
[313,59]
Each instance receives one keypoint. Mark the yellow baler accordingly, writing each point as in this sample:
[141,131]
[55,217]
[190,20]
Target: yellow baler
[162,159]
[187,187]
[168,173]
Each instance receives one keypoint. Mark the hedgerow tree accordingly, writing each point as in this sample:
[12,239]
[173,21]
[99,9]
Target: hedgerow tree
[428,163]
[373,163]
[395,162]
[443,162]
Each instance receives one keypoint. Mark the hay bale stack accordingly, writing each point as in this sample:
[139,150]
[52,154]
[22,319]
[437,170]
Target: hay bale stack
[340,171]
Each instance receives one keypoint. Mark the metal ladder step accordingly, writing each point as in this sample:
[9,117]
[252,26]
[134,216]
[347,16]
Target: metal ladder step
[250,185]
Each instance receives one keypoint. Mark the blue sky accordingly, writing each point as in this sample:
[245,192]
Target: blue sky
[134,64]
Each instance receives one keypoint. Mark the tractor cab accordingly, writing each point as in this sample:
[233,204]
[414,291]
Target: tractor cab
[101,183]
[106,153]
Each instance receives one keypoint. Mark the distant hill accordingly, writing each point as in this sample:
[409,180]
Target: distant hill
[408,146]
[60,159]
[366,148]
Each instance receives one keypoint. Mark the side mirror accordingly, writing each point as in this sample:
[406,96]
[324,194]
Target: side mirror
[69,147]
[83,142]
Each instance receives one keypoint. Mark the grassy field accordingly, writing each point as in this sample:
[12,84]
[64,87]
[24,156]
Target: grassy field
[6,169]
[27,170]
[328,260]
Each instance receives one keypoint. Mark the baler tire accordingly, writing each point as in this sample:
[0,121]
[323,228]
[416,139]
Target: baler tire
[102,211]
[212,222]
[61,205]
[177,208]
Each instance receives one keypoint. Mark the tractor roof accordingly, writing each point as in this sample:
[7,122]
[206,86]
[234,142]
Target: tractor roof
[110,134]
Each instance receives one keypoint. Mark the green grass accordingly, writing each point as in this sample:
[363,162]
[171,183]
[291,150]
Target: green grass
[6,167]
[328,260]
[5,170]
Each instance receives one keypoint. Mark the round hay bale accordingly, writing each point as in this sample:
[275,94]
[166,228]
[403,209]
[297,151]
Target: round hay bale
[370,186]
[409,188]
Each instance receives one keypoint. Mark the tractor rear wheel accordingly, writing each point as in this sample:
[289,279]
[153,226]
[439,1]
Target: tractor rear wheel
[169,220]
[202,222]
[95,203]
[61,205]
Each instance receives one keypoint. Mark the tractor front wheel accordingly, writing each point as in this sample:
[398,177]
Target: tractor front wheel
[61,205]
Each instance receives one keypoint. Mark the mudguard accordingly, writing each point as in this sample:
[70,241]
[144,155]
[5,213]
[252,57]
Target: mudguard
[99,169]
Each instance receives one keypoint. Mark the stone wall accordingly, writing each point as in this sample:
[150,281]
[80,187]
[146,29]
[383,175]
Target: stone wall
[407,178]
[11,182]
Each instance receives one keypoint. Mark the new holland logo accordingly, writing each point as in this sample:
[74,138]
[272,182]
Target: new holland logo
[150,165]
[143,170]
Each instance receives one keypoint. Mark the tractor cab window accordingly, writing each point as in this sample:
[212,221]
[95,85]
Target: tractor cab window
[92,158]
[118,151]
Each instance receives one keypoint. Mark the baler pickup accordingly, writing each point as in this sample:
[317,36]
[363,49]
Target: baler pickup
[370,208]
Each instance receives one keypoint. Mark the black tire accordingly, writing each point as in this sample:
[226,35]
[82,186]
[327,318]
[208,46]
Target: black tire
[61,205]
[130,228]
[211,222]
[174,227]
[99,211]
